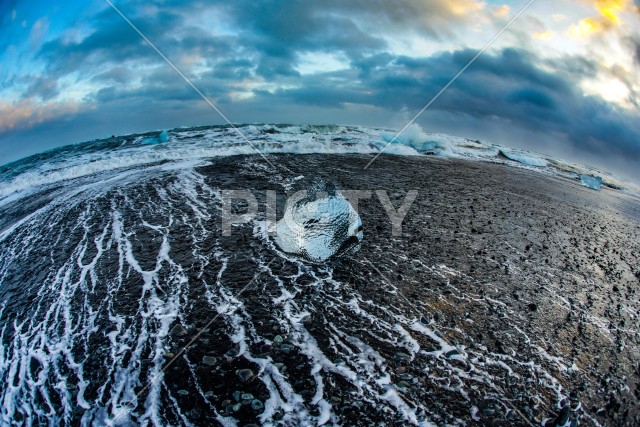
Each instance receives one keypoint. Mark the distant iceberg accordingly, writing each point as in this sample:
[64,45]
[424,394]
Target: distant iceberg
[160,139]
[593,182]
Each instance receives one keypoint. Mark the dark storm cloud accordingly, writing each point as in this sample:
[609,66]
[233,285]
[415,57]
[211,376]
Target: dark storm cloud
[634,45]
[508,85]
[44,87]
[114,42]
[271,35]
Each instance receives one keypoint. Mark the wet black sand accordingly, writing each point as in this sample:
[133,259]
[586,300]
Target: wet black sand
[509,294]
[540,253]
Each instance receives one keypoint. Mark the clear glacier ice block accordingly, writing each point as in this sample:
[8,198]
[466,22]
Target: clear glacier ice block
[319,225]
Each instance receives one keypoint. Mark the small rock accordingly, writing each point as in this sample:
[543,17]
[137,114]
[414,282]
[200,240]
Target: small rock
[265,348]
[257,405]
[244,374]
[562,418]
[451,353]
[209,360]
[400,357]
[278,339]
[178,331]
[307,394]
[169,355]
[286,348]
[209,395]
[183,392]
[247,396]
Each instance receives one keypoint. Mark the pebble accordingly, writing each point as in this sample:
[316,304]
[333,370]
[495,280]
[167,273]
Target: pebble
[244,374]
[257,405]
[178,330]
[183,392]
[286,348]
[307,394]
[169,355]
[265,348]
[402,357]
[449,354]
[209,360]
[278,339]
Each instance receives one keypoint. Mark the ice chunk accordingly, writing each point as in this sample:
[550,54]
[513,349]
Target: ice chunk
[593,182]
[160,139]
[318,225]
[525,159]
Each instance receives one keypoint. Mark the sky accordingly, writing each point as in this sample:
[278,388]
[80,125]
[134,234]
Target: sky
[562,80]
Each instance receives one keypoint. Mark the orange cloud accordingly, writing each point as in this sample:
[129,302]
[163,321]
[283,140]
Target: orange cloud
[609,17]
[544,35]
[501,11]
[463,7]
[27,112]
[610,9]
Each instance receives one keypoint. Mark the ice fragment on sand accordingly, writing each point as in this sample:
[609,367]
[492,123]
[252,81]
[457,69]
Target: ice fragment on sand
[319,226]
[593,182]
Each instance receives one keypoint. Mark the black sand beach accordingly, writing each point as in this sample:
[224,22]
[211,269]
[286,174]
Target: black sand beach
[509,295]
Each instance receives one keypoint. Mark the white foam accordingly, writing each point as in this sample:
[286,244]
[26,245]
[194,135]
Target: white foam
[198,144]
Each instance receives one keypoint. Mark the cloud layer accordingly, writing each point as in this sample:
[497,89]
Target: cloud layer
[325,62]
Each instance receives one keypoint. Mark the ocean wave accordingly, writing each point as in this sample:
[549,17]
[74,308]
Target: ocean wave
[131,151]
